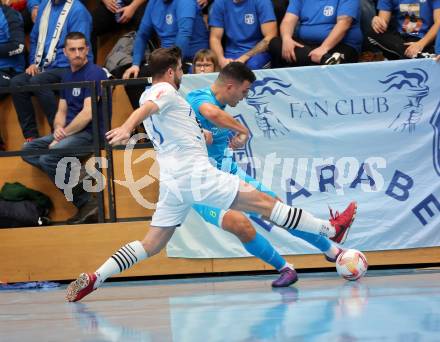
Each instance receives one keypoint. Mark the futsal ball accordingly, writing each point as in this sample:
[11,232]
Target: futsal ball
[351,264]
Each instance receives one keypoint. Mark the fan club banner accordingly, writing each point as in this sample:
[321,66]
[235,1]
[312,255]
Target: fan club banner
[324,136]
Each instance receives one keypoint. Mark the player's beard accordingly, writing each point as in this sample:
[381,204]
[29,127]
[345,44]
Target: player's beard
[177,81]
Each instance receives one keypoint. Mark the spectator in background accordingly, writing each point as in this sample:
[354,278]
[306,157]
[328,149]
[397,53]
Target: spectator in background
[176,22]
[368,12]
[405,29]
[20,6]
[324,32]
[108,16]
[11,47]
[248,25]
[280,8]
[47,60]
[33,5]
[72,124]
[205,61]
[318,32]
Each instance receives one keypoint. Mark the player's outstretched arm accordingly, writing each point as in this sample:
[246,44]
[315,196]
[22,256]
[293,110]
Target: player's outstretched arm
[221,118]
[120,135]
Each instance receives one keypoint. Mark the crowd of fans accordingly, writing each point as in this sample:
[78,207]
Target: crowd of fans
[210,33]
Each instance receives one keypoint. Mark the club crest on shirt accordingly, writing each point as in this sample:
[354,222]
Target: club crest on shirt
[328,11]
[76,91]
[169,19]
[249,19]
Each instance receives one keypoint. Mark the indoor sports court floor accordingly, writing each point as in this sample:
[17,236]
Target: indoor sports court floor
[391,305]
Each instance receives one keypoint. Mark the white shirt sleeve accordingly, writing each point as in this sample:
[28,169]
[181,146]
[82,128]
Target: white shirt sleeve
[163,95]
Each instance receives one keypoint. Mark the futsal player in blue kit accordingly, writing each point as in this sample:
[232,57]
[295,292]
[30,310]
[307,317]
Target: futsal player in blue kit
[248,25]
[209,104]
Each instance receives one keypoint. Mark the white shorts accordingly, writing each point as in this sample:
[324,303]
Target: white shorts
[185,181]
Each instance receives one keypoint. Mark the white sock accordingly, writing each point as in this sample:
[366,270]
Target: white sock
[332,251]
[123,259]
[286,264]
[295,218]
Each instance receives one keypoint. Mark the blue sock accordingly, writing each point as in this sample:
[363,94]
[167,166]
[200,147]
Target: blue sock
[316,240]
[262,249]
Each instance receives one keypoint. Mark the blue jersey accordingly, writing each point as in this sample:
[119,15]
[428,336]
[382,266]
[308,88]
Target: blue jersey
[177,22]
[75,96]
[78,20]
[412,17]
[220,135]
[241,22]
[11,39]
[317,19]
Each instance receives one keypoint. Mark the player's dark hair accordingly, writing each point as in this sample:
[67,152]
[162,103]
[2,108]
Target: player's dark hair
[237,71]
[74,36]
[162,59]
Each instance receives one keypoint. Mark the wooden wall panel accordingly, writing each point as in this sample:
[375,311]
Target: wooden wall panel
[57,253]
[61,253]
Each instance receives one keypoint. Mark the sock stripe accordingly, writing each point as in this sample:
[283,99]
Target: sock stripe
[132,252]
[116,255]
[299,218]
[293,218]
[129,254]
[288,216]
[131,248]
[121,253]
[119,265]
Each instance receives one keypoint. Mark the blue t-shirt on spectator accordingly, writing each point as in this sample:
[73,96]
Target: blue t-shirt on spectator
[75,96]
[241,22]
[317,19]
[11,37]
[412,17]
[177,22]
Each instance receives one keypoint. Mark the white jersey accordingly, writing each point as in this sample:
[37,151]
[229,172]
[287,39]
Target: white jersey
[186,175]
[174,127]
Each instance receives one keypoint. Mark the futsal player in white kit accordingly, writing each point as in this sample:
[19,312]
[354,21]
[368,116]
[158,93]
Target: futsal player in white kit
[187,176]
